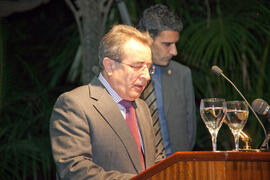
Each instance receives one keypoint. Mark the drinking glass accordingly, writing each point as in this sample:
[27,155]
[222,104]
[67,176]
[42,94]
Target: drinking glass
[237,114]
[213,111]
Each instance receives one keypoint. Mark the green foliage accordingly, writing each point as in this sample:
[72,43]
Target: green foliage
[236,38]
[37,49]
[1,63]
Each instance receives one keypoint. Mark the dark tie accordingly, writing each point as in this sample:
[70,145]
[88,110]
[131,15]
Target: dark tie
[149,95]
[133,127]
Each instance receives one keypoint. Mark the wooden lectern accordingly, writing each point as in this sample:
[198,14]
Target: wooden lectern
[208,165]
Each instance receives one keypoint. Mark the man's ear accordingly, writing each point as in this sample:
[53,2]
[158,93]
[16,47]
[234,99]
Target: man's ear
[108,65]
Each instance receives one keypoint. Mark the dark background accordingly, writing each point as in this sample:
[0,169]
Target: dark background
[37,49]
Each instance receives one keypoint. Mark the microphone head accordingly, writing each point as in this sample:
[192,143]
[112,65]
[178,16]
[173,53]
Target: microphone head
[260,106]
[216,70]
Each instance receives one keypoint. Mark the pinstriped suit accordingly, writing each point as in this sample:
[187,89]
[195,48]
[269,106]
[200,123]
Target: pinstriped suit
[90,138]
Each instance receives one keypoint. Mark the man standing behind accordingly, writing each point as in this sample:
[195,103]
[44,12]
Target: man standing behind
[103,130]
[172,83]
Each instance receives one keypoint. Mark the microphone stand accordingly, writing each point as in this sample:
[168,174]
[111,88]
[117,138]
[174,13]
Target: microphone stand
[264,146]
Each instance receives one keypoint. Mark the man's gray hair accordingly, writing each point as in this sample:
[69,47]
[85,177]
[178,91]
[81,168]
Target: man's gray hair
[112,43]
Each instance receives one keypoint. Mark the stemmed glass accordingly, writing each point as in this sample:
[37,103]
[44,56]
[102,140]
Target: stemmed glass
[213,111]
[237,114]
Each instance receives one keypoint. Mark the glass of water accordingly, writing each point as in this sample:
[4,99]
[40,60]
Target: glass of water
[213,111]
[237,115]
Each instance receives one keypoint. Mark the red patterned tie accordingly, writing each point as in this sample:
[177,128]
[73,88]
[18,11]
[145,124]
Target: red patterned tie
[133,127]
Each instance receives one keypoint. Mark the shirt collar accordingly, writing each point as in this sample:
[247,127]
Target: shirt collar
[108,87]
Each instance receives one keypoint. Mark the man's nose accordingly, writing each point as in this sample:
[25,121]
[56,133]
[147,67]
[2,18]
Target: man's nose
[173,50]
[145,74]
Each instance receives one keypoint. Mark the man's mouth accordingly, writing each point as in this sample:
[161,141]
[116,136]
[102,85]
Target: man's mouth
[139,87]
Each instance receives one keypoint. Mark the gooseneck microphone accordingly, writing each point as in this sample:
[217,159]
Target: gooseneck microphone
[218,71]
[261,107]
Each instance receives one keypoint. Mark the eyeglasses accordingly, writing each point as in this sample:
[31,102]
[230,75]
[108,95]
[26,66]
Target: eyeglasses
[139,67]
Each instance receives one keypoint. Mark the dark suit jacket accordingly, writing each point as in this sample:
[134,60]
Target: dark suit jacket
[91,140]
[179,106]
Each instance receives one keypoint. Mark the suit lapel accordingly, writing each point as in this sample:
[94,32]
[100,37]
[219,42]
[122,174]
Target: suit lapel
[167,90]
[109,110]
